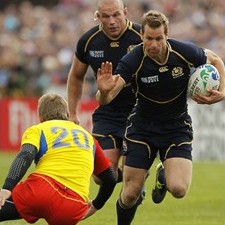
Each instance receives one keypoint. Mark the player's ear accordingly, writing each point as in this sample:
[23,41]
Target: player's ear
[96,15]
[41,119]
[125,11]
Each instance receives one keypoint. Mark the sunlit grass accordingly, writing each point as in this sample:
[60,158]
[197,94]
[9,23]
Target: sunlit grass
[204,204]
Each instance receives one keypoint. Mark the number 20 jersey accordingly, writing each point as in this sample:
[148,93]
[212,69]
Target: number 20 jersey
[66,153]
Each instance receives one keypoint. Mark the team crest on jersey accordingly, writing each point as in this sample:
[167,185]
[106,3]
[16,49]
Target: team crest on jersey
[177,72]
[96,54]
[115,44]
[130,48]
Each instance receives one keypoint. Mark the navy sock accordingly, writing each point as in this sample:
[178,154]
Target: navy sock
[125,215]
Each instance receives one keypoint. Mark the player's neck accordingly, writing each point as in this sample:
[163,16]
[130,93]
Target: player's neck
[162,57]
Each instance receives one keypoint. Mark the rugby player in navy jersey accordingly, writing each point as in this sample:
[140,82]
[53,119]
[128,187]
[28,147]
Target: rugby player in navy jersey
[114,37]
[159,123]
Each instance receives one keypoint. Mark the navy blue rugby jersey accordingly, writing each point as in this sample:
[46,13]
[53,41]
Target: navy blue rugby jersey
[161,89]
[95,47]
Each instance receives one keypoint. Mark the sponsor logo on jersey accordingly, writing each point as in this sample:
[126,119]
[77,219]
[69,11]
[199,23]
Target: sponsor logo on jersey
[115,44]
[177,72]
[163,69]
[96,54]
[151,79]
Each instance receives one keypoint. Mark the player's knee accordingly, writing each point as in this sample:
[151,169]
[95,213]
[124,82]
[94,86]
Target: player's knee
[178,191]
[130,198]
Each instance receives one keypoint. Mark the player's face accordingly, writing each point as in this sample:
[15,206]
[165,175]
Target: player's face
[113,19]
[154,40]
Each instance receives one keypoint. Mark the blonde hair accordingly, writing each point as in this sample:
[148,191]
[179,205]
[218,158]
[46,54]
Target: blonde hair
[52,106]
[155,19]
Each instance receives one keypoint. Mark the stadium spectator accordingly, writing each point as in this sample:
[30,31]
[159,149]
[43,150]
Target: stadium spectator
[32,32]
[66,156]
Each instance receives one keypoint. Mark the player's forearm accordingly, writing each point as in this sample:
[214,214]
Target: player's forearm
[74,93]
[104,98]
[108,183]
[20,166]
[216,61]
[220,67]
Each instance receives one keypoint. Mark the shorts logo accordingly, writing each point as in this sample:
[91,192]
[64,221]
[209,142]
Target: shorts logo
[124,146]
[148,80]
[96,54]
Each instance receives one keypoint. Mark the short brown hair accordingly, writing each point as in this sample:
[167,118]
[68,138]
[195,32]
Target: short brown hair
[155,19]
[52,106]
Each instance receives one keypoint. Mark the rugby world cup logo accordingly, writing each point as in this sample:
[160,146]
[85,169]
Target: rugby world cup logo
[207,72]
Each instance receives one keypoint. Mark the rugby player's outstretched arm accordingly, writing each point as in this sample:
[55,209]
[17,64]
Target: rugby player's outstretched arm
[109,85]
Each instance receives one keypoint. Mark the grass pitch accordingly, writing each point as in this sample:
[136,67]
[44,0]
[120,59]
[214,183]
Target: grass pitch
[204,204]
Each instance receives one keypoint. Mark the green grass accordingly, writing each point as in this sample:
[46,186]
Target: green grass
[204,204]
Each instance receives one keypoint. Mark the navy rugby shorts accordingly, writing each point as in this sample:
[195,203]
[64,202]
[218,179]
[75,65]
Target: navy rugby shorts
[145,139]
[109,132]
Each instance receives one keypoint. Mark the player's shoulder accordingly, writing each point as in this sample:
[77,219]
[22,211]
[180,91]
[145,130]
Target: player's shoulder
[136,52]
[90,33]
[34,130]
[187,50]
[180,46]
[134,27]
[134,57]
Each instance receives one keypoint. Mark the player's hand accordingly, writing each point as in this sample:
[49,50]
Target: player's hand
[91,210]
[74,118]
[106,81]
[214,97]
[4,194]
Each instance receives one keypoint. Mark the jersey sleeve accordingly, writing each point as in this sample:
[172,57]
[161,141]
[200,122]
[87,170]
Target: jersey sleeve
[80,54]
[83,43]
[31,136]
[197,55]
[190,51]
[101,162]
[129,64]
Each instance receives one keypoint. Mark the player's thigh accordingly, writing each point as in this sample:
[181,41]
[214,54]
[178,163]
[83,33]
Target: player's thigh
[178,172]
[113,155]
[134,178]
[109,133]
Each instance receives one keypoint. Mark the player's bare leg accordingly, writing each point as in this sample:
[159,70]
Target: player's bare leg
[130,198]
[114,156]
[178,173]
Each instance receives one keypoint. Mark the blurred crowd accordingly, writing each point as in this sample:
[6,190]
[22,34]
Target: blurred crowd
[37,43]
